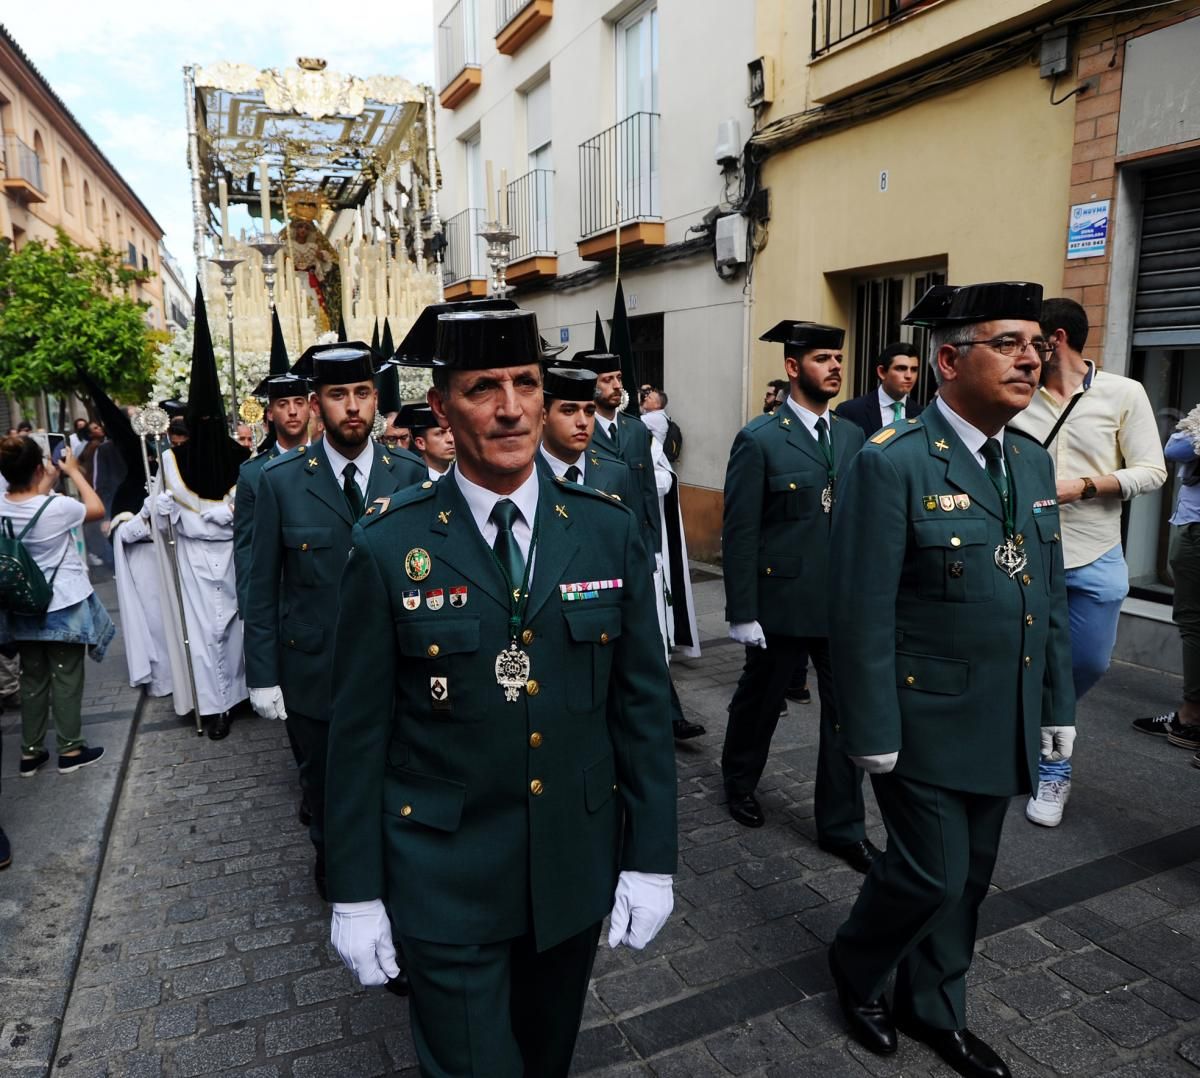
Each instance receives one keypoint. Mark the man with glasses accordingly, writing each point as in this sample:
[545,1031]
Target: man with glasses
[1100,429]
[951,659]
[781,487]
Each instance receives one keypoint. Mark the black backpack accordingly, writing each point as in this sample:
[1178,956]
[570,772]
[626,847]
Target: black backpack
[673,442]
[24,588]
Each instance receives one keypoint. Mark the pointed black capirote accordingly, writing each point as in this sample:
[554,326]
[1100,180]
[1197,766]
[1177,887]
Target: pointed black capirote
[280,364]
[621,344]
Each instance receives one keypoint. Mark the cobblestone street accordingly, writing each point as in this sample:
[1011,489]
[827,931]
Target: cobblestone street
[206,948]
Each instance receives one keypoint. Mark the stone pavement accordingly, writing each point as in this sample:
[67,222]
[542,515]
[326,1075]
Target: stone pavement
[207,949]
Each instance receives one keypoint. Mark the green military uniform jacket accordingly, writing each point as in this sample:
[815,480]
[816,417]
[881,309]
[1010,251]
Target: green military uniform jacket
[775,535]
[603,472]
[243,520]
[301,536]
[633,447]
[938,654]
[468,814]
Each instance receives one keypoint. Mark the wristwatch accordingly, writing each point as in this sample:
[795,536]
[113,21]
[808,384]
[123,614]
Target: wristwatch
[1089,489]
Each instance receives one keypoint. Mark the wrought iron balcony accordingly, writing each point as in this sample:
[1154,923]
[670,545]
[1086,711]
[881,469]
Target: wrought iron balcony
[531,214]
[518,20]
[465,257]
[458,54]
[23,170]
[618,175]
[835,21]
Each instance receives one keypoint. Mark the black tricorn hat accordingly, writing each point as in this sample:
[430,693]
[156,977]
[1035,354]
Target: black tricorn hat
[337,364]
[419,346]
[953,305]
[276,386]
[416,416]
[804,336]
[478,340]
[596,362]
[569,384]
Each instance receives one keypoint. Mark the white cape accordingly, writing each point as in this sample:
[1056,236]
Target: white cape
[673,590]
[136,568]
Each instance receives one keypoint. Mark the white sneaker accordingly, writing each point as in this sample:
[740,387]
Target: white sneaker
[1047,807]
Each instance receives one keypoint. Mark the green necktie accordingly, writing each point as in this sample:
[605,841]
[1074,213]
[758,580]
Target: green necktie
[823,441]
[505,547]
[897,411]
[350,489]
[992,455]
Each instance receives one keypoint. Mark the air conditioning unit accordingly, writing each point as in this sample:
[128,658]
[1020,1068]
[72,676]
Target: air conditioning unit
[729,142]
[731,240]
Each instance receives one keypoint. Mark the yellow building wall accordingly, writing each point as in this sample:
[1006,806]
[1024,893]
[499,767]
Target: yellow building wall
[979,178]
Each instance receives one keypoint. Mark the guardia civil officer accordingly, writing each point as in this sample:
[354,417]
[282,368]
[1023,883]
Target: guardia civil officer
[622,436]
[306,503]
[568,420]
[952,661]
[781,487]
[499,772]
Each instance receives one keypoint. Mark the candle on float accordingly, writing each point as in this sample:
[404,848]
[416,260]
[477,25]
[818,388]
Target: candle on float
[504,198]
[491,193]
[223,198]
[264,195]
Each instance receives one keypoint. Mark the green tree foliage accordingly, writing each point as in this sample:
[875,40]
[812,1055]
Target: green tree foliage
[64,306]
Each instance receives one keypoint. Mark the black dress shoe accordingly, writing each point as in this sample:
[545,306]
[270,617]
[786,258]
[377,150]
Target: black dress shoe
[870,1023]
[802,695]
[858,855]
[305,812]
[398,985]
[746,810]
[682,729]
[959,1049]
[220,726]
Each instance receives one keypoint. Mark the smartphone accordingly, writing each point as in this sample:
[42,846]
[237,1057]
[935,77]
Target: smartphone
[52,444]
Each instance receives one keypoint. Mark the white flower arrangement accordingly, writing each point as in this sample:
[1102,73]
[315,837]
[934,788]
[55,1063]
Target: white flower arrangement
[173,371]
[414,383]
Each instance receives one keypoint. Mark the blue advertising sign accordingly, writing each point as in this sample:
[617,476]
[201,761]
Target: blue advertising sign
[564,336]
[1087,233]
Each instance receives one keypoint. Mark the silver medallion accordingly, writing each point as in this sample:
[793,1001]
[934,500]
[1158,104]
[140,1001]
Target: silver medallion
[1010,558]
[827,499]
[512,671]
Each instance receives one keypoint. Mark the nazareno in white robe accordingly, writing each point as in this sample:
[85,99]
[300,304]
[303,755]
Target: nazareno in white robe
[140,604]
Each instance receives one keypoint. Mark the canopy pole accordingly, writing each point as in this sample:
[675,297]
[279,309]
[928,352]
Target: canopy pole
[199,222]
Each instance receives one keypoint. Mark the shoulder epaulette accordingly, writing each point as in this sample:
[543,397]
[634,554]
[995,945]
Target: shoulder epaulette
[759,421]
[1022,434]
[290,456]
[590,492]
[889,434]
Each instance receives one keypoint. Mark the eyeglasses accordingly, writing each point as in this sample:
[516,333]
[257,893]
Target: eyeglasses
[1014,346]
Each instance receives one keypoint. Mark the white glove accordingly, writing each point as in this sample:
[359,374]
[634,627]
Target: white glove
[220,515]
[877,765]
[164,504]
[643,903]
[749,633]
[268,703]
[1057,742]
[362,936]
[658,564]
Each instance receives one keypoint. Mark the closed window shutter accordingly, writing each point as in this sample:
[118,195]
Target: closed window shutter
[1167,301]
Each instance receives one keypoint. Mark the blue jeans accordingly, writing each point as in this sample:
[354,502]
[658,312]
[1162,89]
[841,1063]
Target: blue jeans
[1094,595]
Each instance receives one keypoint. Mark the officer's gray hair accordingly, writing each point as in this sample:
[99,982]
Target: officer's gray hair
[947,335]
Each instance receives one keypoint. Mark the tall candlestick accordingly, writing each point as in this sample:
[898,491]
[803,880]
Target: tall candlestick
[264,195]
[223,198]
[491,193]
[504,198]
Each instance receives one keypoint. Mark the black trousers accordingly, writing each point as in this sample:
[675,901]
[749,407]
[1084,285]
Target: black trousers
[310,738]
[753,716]
[918,910]
[498,1010]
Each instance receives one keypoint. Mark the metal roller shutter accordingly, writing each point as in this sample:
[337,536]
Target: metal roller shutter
[1167,303]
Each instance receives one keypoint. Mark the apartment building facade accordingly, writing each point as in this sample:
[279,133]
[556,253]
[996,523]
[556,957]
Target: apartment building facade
[908,143]
[606,119]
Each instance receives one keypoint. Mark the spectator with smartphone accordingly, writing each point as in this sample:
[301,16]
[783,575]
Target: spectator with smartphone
[52,646]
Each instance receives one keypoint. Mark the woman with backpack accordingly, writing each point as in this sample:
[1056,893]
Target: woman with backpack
[51,644]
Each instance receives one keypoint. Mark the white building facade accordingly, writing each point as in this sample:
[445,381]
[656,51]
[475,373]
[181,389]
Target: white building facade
[605,120]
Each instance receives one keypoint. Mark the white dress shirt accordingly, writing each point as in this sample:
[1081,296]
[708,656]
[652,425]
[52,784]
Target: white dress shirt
[481,501]
[434,474]
[972,437]
[362,464]
[886,409]
[809,419]
[609,426]
[560,466]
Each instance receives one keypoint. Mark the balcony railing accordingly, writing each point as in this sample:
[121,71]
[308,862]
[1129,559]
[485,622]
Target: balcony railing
[458,42]
[531,214]
[21,162]
[466,254]
[507,10]
[618,175]
[835,21]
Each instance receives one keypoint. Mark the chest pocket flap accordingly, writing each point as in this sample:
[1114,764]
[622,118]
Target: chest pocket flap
[787,481]
[952,532]
[1049,527]
[430,638]
[306,537]
[593,624]
[424,799]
